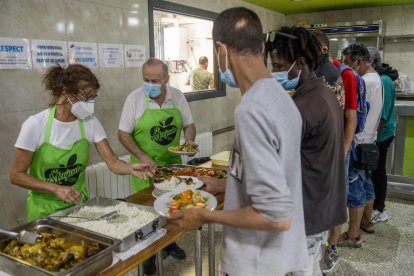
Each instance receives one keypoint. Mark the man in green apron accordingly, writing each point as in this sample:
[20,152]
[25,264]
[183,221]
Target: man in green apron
[152,120]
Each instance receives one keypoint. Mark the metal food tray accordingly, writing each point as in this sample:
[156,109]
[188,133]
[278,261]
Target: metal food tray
[90,266]
[133,238]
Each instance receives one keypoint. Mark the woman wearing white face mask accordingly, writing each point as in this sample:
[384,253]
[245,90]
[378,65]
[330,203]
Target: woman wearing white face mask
[52,150]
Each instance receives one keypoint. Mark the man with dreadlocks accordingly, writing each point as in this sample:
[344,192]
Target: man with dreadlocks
[294,54]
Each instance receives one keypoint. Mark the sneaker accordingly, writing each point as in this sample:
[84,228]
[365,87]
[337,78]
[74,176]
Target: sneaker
[175,251]
[346,241]
[374,214]
[380,216]
[331,259]
[149,266]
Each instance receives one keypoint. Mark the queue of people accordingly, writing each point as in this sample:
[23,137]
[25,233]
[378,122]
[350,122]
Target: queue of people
[295,165]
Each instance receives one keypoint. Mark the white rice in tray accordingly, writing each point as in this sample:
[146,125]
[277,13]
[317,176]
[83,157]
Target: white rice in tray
[127,221]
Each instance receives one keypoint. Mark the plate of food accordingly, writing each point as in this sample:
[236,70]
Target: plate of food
[185,149]
[178,200]
[178,183]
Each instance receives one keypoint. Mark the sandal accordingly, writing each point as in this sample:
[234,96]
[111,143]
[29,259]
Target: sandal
[346,241]
[370,229]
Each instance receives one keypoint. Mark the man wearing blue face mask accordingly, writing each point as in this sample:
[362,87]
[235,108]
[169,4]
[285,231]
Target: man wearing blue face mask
[152,120]
[294,54]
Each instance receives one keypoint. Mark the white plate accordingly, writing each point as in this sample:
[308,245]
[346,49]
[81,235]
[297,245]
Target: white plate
[154,194]
[163,187]
[183,152]
[162,203]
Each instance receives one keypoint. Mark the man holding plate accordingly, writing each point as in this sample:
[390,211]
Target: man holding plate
[152,120]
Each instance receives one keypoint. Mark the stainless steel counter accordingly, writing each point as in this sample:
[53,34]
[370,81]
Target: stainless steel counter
[398,182]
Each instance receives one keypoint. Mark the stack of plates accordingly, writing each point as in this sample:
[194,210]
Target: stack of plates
[175,183]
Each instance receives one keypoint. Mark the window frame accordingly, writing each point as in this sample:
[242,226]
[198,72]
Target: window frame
[159,5]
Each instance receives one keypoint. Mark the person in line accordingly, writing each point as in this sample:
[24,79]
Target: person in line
[386,134]
[263,232]
[350,121]
[152,119]
[360,198]
[294,55]
[200,78]
[52,149]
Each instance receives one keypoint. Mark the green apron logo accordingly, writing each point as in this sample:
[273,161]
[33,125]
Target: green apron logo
[164,133]
[66,176]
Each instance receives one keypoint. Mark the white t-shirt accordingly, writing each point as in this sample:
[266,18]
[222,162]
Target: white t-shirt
[375,99]
[134,107]
[63,134]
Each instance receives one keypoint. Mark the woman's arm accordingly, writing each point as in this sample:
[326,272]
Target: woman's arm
[118,166]
[19,176]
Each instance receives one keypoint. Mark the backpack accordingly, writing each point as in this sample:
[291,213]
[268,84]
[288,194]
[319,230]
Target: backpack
[362,104]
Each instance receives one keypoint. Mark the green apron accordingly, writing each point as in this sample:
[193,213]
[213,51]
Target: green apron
[59,166]
[154,133]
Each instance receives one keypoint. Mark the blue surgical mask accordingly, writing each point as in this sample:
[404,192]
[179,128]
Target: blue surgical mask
[152,90]
[283,78]
[226,76]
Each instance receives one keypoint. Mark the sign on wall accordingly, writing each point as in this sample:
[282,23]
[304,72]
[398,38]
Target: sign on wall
[134,55]
[14,53]
[83,53]
[46,53]
[110,55]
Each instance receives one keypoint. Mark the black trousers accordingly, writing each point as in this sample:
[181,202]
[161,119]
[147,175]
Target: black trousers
[379,176]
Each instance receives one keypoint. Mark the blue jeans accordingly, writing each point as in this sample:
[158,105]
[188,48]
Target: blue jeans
[360,188]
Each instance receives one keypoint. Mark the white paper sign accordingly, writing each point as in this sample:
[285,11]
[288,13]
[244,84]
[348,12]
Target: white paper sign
[110,55]
[83,53]
[14,53]
[134,55]
[46,53]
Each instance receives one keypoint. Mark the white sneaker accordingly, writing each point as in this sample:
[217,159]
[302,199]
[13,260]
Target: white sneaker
[374,214]
[381,216]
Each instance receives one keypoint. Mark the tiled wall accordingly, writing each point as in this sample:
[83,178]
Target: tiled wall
[399,20]
[99,21]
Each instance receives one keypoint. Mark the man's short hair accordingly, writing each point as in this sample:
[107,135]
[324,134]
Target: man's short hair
[203,60]
[240,29]
[374,57]
[355,51]
[322,38]
[154,62]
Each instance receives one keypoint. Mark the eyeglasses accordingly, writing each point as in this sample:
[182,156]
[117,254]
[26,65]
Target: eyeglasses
[271,36]
[87,97]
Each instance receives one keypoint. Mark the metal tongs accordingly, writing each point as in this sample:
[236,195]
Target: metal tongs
[107,216]
[23,236]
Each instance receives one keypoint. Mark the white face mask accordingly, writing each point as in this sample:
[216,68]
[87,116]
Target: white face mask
[81,109]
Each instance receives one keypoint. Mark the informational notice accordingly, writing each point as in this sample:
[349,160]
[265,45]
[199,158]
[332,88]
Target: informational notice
[134,55]
[46,53]
[111,55]
[83,53]
[14,53]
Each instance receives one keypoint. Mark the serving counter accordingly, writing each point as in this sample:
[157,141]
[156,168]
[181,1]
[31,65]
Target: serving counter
[144,197]
[400,157]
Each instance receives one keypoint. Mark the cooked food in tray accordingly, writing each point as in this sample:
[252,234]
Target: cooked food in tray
[167,172]
[128,219]
[186,149]
[52,252]
[187,199]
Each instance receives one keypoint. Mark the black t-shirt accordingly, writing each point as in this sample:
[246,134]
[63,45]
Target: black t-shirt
[327,70]
[322,156]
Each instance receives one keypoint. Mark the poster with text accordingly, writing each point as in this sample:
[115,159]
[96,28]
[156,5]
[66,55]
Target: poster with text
[134,55]
[46,53]
[83,53]
[14,53]
[110,55]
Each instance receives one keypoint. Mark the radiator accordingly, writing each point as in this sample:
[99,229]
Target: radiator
[100,181]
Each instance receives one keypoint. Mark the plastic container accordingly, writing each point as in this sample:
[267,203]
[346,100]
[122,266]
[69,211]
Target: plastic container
[221,158]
